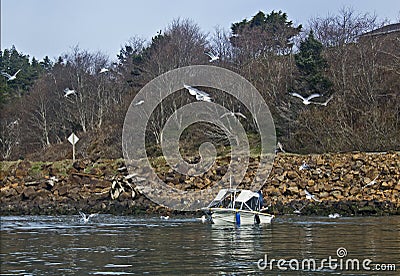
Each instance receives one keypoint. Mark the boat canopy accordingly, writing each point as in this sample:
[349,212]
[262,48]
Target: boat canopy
[246,195]
[221,194]
[233,198]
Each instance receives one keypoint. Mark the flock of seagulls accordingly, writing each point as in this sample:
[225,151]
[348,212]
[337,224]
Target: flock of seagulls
[67,91]
[9,77]
[203,96]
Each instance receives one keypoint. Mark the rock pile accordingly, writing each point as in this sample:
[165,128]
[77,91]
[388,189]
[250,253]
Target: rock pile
[336,177]
[50,191]
[348,183]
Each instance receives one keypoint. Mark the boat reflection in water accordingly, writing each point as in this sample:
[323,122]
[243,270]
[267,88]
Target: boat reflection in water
[237,207]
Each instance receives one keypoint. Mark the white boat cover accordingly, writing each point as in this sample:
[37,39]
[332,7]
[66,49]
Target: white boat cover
[245,195]
[220,195]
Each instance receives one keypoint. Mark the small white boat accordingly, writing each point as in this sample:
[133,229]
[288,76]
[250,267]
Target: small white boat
[237,207]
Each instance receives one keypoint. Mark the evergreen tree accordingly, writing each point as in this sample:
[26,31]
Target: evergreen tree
[271,33]
[10,62]
[46,63]
[311,67]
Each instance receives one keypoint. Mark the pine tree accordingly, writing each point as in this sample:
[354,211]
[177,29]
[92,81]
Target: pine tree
[263,34]
[10,62]
[311,67]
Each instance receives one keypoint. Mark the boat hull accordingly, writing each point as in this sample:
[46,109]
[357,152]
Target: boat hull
[222,216]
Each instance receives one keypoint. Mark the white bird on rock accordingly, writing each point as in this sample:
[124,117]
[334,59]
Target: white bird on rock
[304,166]
[306,101]
[52,180]
[10,78]
[200,95]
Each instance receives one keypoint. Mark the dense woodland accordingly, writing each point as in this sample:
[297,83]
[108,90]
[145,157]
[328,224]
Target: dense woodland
[332,56]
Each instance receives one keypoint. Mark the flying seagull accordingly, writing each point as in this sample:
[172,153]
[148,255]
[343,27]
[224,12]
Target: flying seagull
[68,92]
[200,95]
[306,101]
[233,114]
[86,218]
[279,148]
[298,211]
[212,56]
[373,182]
[311,197]
[103,70]
[10,78]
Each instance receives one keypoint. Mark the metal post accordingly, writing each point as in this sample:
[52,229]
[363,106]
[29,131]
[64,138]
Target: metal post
[73,149]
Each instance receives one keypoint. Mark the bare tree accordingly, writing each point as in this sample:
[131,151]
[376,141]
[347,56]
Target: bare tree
[9,137]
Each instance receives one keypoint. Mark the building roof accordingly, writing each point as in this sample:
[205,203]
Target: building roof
[391,28]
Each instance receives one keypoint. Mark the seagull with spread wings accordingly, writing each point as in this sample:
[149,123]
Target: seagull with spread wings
[310,196]
[68,92]
[104,70]
[212,56]
[306,101]
[86,218]
[9,77]
[200,95]
[373,182]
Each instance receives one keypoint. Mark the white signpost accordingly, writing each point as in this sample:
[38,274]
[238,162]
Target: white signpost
[73,139]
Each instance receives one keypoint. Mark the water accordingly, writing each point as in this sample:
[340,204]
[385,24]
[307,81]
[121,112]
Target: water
[117,245]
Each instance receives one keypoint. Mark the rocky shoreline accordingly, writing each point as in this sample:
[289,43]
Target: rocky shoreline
[345,183]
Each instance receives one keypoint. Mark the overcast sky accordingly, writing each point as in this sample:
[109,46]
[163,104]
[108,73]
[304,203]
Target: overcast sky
[52,27]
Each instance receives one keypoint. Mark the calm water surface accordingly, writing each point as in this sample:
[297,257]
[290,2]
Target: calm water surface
[118,245]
